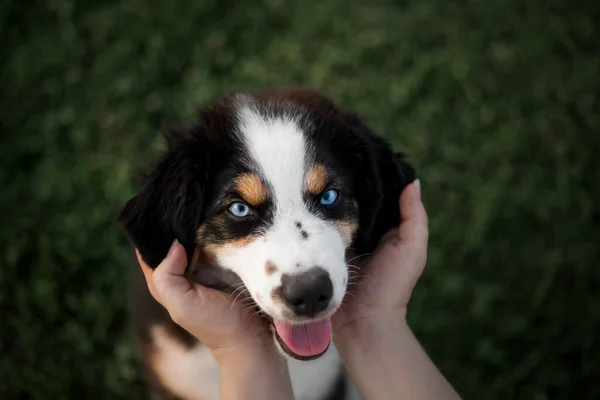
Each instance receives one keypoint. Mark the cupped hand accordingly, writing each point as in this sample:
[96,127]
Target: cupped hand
[380,290]
[212,316]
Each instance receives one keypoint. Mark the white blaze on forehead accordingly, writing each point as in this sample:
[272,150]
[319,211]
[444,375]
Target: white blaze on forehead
[278,148]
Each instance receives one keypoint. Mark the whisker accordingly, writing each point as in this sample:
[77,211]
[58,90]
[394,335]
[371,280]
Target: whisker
[355,282]
[355,275]
[232,304]
[247,310]
[244,290]
[239,294]
[359,256]
[235,285]
[357,278]
[259,312]
[246,301]
[238,288]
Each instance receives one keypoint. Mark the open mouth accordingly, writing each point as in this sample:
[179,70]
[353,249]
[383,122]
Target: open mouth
[303,341]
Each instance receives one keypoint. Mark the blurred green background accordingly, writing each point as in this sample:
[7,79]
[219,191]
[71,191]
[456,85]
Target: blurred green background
[495,101]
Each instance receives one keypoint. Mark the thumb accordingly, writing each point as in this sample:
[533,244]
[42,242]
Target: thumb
[169,280]
[413,230]
[412,212]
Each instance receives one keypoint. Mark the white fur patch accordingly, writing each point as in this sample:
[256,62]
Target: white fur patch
[315,379]
[277,151]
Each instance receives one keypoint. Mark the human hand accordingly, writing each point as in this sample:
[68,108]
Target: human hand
[379,350]
[210,315]
[239,340]
[381,289]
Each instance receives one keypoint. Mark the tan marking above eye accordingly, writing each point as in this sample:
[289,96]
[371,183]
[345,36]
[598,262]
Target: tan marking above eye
[270,267]
[316,179]
[251,188]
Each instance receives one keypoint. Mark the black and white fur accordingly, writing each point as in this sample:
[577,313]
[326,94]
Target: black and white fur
[277,139]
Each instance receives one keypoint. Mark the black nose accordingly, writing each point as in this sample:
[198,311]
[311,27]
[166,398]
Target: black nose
[308,293]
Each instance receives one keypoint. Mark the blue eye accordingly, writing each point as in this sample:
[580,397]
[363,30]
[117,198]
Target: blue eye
[239,209]
[329,197]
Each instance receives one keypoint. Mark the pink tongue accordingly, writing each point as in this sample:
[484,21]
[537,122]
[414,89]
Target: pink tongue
[305,340]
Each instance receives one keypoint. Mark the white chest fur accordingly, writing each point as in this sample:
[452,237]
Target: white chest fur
[313,380]
[193,374]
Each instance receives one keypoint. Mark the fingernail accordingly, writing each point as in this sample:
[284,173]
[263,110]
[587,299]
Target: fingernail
[417,195]
[175,243]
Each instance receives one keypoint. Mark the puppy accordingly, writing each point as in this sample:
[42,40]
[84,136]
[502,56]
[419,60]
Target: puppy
[268,190]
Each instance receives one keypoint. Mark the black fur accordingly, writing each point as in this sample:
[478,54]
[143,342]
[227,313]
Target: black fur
[180,192]
[378,174]
[170,205]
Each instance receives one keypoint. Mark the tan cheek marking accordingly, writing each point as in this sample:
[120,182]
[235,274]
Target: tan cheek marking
[241,242]
[251,188]
[347,229]
[316,179]
[216,249]
[270,268]
[200,258]
[194,262]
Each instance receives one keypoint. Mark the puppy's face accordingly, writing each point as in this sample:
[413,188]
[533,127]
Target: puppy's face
[281,218]
[270,189]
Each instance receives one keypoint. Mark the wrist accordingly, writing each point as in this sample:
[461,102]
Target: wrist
[255,349]
[371,328]
[386,361]
[256,365]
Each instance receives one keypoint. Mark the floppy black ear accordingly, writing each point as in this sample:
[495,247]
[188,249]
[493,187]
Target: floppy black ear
[169,205]
[395,173]
[380,176]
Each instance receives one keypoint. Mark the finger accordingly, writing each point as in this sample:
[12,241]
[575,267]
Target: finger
[413,227]
[390,235]
[169,280]
[413,230]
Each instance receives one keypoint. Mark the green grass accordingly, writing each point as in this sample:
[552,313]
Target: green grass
[496,103]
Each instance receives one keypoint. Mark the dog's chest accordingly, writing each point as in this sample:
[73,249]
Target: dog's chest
[315,379]
[193,374]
